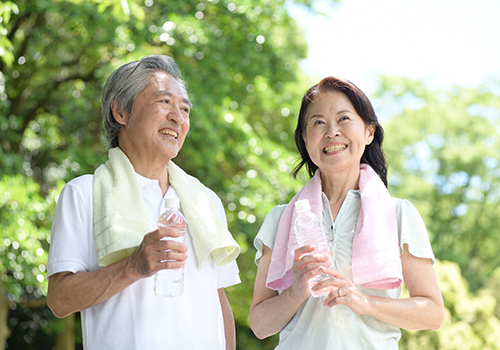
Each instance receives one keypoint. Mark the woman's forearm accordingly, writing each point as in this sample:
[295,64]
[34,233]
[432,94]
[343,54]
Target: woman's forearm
[271,315]
[415,313]
[422,310]
[270,312]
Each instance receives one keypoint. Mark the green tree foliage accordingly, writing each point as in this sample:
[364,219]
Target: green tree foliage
[241,64]
[443,149]
[7,9]
[470,322]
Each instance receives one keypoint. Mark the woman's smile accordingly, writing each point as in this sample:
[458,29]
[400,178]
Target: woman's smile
[334,148]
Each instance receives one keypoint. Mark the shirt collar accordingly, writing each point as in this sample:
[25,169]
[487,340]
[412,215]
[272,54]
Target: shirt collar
[350,193]
[144,181]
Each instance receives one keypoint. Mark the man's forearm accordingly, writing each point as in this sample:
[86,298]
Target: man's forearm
[229,328]
[71,292]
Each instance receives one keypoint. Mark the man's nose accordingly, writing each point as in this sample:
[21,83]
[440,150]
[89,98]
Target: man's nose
[175,114]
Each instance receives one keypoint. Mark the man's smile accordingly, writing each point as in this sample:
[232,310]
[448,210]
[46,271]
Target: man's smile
[169,132]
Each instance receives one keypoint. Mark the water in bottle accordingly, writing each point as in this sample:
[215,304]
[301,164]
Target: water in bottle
[309,231]
[170,282]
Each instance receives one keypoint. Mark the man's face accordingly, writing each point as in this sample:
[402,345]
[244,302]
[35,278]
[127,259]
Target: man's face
[159,121]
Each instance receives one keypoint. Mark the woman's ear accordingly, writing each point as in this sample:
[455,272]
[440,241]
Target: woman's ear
[370,133]
[118,114]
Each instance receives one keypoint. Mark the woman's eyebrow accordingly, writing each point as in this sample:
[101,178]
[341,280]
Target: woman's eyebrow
[344,111]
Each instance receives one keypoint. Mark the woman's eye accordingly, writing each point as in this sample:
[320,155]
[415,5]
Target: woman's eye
[344,118]
[317,122]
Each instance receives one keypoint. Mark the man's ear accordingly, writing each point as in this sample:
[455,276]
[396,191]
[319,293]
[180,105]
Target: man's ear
[118,114]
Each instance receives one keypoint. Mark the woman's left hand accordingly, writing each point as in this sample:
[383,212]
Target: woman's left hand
[344,292]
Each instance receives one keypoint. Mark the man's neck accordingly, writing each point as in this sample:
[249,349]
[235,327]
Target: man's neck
[154,171]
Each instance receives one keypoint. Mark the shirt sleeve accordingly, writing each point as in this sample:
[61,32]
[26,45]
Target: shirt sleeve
[69,243]
[227,275]
[268,230]
[412,230]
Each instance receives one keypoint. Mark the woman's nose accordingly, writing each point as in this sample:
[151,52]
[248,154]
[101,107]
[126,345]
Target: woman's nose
[332,130]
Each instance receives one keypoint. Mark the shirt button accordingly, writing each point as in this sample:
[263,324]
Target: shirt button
[331,239]
[331,227]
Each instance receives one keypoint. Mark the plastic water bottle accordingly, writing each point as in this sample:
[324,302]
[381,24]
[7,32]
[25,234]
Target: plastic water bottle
[309,231]
[170,282]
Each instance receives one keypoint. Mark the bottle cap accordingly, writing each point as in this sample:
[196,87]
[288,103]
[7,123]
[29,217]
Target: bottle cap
[172,202]
[302,205]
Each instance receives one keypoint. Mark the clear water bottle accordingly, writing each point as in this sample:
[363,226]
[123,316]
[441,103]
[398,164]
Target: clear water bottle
[170,282]
[309,231]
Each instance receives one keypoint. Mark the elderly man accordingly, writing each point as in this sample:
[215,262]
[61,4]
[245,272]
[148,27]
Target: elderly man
[105,244]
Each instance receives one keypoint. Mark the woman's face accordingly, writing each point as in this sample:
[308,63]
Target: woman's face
[335,135]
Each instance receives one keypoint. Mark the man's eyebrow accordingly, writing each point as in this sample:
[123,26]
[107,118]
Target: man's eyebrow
[168,93]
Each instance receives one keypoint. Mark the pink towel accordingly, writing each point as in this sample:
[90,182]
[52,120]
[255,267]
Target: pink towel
[376,259]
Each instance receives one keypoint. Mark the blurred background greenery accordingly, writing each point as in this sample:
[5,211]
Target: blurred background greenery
[241,63]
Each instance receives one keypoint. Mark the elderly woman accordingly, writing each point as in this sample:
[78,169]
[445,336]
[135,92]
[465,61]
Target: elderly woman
[375,241]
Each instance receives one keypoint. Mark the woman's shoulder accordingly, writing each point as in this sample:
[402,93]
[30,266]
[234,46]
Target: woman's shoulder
[404,207]
[267,232]
[276,212]
[412,229]
[271,222]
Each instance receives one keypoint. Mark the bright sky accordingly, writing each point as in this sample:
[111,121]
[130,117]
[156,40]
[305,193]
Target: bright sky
[445,42]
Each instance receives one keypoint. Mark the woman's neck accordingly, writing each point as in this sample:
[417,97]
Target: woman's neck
[336,185]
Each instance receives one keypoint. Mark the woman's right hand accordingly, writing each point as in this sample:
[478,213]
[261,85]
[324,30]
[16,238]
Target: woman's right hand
[306,266]
[271,311]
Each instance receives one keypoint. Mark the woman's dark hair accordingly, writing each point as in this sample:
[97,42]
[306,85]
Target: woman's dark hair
[373,154]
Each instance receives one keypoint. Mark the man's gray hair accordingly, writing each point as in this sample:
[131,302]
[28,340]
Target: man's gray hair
[125,83]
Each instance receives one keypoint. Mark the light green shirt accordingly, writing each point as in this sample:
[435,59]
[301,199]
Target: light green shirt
[317,327]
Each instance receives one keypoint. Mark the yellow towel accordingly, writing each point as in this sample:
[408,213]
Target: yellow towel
[121,221]
[120,218]
[208,231]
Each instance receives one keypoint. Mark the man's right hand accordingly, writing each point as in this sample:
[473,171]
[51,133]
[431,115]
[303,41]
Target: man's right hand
[70,292]
[154,253]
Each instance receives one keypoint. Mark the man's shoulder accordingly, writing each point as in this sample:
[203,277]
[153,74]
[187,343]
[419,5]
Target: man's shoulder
[83,182]
[81,186]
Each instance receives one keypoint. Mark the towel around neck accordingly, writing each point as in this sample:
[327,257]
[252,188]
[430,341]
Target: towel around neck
[376,259]
[121,221]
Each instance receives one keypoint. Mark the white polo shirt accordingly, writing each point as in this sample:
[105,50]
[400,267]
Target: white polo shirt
[136,318]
